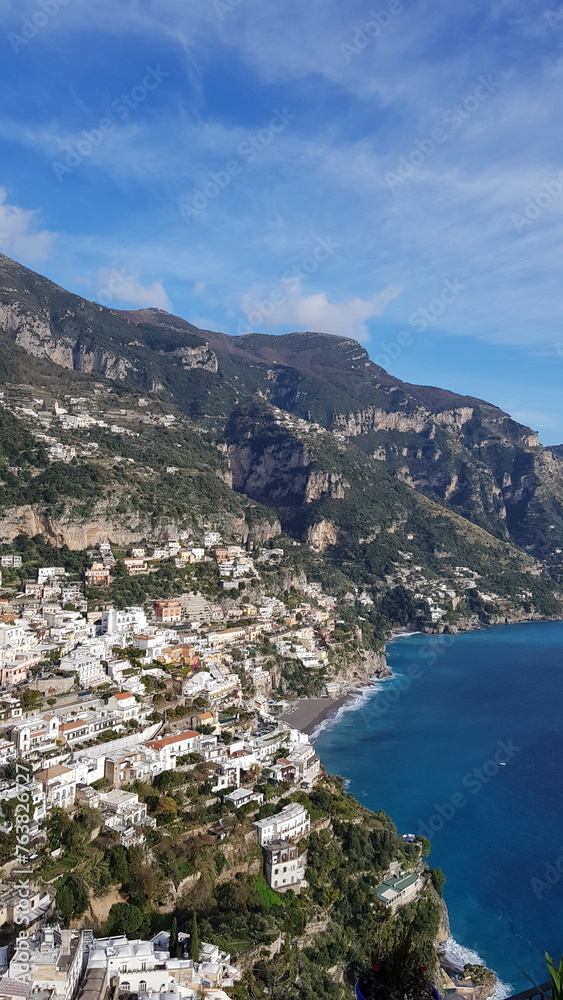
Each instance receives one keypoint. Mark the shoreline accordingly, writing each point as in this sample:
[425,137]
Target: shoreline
[310,713]
[314,715]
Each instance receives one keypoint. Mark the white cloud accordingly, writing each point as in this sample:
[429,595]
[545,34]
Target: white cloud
[119,286]
[315,313]
[19,236]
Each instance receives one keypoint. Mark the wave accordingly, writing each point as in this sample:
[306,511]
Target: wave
[357,699]
[457,956]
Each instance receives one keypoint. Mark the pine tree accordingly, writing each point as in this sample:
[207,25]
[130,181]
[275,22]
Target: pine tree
[174,939]
[194,939]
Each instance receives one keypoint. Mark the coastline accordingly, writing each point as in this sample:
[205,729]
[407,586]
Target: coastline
[454,951]
[310,713]
[313,715]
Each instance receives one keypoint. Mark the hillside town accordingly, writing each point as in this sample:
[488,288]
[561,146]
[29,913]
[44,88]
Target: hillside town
[137,722]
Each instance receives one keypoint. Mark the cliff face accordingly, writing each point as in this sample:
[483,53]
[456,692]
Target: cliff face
[101,524]
[34,334]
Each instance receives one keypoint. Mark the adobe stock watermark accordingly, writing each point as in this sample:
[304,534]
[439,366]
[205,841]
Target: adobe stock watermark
[536,206]
[261,310]
[117,282]
[452,120]
[420,320]
[219,180]
[21,819]
[119,110]
[31,26]
[364,35]
[428,654]
[553,873]
[473,782]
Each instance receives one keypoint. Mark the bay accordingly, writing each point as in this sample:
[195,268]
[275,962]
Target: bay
[465,744]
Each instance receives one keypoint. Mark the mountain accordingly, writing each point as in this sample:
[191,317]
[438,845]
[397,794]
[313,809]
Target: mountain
[261,434]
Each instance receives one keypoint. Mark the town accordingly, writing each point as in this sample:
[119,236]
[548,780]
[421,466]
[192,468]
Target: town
[119,725]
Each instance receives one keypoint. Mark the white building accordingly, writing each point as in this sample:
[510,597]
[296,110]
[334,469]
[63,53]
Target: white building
[51,961]
[292,821]
[126,622]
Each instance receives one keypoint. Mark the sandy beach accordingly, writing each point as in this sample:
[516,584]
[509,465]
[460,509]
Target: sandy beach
[310,712]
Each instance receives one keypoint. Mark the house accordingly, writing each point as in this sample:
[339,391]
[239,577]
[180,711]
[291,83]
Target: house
[123,813]
[242,796]
[33,734]
[125,704]
[98,576]
[283,867]
[227,636]
[304,764]
[292,821]
[59,784]
[211,538]
[15,673]
[136,567]
[399,887]
[45,573]
[126,621]
[10,562]
[171,747]
[168,611]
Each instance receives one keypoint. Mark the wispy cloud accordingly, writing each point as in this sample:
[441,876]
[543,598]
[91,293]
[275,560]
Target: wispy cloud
[315,313]
[20,236]
[120,286]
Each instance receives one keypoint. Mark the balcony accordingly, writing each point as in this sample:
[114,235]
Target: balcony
[534,993]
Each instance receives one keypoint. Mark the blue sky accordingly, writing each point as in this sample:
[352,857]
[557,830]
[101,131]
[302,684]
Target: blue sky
[390,171]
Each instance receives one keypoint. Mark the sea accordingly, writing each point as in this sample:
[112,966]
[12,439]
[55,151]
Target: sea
[464,744]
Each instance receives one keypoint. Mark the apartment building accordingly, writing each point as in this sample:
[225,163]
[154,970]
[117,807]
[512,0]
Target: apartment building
[292,821]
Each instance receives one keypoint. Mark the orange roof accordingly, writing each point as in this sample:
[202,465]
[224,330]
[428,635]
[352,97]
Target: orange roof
[205,715]
[123,694]
[71,725]
[168,740]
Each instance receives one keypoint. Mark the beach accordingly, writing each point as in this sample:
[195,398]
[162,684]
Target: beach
[309,713]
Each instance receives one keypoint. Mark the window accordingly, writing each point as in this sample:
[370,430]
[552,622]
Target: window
[126,987]
[143,966]
[142,985]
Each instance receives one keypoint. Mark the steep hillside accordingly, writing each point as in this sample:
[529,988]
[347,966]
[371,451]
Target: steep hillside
[129,424]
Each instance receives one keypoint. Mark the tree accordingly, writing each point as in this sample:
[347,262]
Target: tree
[167,809]
[79,894]
[173,946]
[65,904]
[194,939]
[124,918]
[119,864]
[438,879]
[89,818]
[425,845]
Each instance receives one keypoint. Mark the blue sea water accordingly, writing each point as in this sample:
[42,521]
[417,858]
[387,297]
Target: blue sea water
[426,747]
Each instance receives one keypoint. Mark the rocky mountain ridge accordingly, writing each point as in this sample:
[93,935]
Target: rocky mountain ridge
[162,426]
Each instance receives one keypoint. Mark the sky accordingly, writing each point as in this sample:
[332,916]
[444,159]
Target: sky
[391,172]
